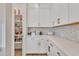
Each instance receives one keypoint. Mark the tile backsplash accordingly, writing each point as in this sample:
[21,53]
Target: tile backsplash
[70,32]
[40,30]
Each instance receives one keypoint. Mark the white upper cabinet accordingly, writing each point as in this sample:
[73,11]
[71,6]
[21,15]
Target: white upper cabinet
[33,15]
[61,13]
[39,15]
[45,5]
[45,15]
[73,12]
[32,5]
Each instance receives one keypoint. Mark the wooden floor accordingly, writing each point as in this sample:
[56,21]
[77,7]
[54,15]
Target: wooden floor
[18,52]
[36,54]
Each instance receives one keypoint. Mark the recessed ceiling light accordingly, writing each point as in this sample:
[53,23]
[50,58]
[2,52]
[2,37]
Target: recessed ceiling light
[37,5]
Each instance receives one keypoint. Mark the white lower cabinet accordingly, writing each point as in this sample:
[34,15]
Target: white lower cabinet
[43,45]
[35,44]
[57,52]
[50,50]
[53,50]
[32,44]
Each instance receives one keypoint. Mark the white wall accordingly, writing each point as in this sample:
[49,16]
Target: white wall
[5,22]
[2,28]
[8,29]
[0,33]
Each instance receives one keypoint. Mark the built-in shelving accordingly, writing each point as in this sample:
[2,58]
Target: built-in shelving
[18,31]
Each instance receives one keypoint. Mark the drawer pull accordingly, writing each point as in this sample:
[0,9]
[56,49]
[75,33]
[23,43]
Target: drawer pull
[51,44]
[58,54]
[49,48]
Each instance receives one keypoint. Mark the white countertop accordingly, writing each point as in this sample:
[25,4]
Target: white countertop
[69,47]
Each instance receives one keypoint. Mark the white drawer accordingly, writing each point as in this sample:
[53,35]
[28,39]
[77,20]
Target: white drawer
[57,52]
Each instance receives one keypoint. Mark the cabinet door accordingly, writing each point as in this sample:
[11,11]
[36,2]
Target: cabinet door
[43,45]
[61,13]
[44,17]
[50,50]
[57,52]
[74,12]
[32,44]
[45,5]
[33,17]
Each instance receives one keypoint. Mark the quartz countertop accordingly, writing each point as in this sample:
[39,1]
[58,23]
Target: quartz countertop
[69,47]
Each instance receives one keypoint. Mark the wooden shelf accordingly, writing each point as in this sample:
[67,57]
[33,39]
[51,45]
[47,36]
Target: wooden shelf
[18,45]
[67,24]
[18,42]
[18,35]
[18,52]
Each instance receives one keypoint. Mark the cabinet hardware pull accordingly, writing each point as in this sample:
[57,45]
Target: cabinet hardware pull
[49,48]
[58,54]
[51,44]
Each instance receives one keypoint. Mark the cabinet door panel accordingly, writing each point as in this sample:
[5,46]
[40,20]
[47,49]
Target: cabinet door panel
[61,12]
[32,44]
[33,5]
[74,12]
[33,17]
[43,45]
[57,52]
[45,5]
[44,17]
